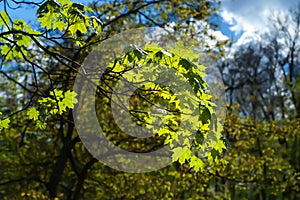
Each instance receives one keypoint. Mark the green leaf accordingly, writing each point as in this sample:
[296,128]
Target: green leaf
[60,25]
[197,164]
[152,47]
[41,125]
[185,51]
[78,6]
[177,152]
[4,19]
[7,52]
[96,24]
[57,93]
[62,107]
[4,123]
[33,114]
[48,12]
[23,40]
[46,20]
[219,146]
[163,131]
[48,5]
[185,156]
[70,99]
[78,26]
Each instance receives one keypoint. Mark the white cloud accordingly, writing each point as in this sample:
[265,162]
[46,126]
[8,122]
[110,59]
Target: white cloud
[229,17]
[247,37]
[220,35]
[251,16]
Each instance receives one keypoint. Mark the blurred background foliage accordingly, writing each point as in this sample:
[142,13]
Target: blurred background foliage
[262,123]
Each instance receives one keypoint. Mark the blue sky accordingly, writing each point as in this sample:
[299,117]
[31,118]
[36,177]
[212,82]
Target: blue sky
[238,19]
